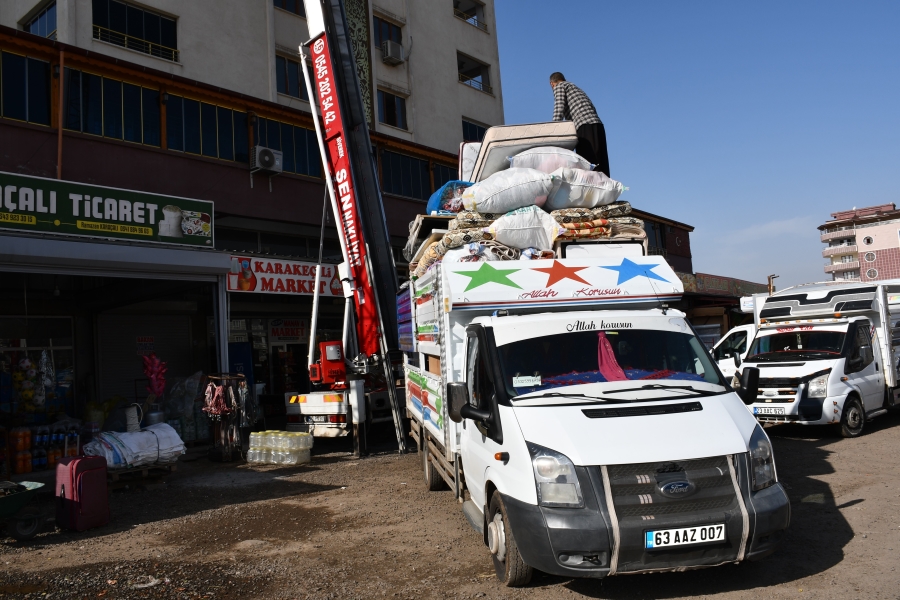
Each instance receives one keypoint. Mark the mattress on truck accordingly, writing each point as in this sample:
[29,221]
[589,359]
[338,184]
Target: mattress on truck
[504,141]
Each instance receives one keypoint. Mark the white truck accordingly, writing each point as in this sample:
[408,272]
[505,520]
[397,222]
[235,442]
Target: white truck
[735,343]
[581,422]
[826,355]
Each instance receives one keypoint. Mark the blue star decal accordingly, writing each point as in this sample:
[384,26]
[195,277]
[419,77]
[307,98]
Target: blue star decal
[629,270]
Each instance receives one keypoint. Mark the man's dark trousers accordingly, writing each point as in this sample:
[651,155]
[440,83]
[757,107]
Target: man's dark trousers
[592,146]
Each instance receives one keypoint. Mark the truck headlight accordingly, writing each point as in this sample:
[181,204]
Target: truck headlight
[762,460]
[555,478]
[818,386]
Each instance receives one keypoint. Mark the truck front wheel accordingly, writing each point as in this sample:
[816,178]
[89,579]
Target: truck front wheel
[853,418]
[510,568]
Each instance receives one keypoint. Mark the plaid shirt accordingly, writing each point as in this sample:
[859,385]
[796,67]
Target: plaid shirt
[572,104]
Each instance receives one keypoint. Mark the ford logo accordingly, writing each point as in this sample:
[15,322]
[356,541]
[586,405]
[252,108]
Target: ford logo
[678,489]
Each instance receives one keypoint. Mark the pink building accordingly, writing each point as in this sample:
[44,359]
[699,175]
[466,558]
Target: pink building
[863,244]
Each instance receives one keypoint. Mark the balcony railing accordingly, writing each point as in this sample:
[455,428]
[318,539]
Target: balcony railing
[475,84]
[837,250]
[470,19]
[839,234]
[843,266]
[133,43]
[657,251]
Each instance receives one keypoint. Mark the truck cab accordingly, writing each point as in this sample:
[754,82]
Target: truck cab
[826,355]
[735,343]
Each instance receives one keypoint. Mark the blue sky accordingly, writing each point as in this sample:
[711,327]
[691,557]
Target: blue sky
[751,121]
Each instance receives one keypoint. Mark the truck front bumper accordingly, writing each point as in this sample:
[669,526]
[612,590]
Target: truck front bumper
[803,411]
[578,542]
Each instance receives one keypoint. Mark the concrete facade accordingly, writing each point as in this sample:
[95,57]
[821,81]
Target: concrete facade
[863,244]
[233,44]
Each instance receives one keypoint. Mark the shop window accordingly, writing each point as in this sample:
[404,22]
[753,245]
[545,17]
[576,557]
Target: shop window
[288,78]
[443,174]
[472,132]
[237,240]
[135,28]
[299,147]
[200,128]
[292,6]
[36,366]
[44,23]
[385,30]
[391,110]
[111,108]
[404,175]
[26,88]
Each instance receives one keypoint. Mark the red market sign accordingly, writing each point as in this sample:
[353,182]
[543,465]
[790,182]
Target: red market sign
[339,166]
[273,276]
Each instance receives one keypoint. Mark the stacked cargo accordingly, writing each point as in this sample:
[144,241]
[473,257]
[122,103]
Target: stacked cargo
[523,194]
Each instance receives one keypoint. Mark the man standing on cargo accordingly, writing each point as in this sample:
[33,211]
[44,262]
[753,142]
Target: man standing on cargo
[572,104]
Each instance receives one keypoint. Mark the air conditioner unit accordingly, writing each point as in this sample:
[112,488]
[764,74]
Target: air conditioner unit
[265,160]
[391,53]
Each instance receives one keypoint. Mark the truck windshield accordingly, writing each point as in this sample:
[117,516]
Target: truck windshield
[612,355]
[791,345]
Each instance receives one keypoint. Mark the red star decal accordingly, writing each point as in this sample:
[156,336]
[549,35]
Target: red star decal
[559,271]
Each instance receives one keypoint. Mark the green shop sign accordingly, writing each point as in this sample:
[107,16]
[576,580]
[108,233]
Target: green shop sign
[40,205]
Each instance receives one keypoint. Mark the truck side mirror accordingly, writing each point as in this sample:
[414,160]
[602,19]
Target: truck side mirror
[457,398]
[475,414]
[736,357]
[749,385]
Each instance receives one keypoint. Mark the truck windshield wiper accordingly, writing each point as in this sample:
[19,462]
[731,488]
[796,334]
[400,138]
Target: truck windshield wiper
[593,399]
[657,386]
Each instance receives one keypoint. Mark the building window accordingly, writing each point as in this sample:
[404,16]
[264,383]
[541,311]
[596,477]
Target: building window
[237,240]
[472,132]
[44,23]
[474,73]
[111,108]
[298,145]
[200,128]
[656,240]
[292,6]
[868,240]
[872,273]
[25,93]
[471,12]
[288,75]
[385,30]
[870,257]
[442,174]
[848,258]
[391,110]
[135,28]
[404,175]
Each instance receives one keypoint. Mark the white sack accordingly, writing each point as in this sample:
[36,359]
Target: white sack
[577,188]
[155,444]
[548,159]
[508,190]
[528,227]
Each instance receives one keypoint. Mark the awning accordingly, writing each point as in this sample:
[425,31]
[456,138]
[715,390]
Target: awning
[110,259]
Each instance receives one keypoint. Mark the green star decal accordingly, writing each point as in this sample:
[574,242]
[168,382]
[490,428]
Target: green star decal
[488,274]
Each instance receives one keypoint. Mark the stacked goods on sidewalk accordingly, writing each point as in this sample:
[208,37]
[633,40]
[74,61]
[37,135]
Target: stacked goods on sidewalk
[279,448]
[154,445]
[545,198]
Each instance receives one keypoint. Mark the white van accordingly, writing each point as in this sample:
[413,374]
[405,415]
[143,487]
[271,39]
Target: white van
[735,343]
[583,422]
[826,355]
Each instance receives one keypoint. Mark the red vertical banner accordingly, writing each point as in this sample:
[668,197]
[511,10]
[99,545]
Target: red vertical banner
[339,165]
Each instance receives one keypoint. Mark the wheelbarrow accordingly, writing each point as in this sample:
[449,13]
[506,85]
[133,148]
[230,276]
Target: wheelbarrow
[23,522]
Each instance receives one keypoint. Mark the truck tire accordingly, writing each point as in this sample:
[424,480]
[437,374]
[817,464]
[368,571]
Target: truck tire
[853,418]
[508,564]
[433,480]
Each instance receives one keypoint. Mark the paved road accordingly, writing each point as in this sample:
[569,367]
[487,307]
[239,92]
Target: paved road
[345,528]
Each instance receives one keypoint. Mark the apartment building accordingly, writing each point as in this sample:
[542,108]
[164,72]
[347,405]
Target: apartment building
[131,219]
[862,244]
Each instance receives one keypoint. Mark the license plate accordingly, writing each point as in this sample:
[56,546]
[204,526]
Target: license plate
[317,419]
[665,538]
[768,410]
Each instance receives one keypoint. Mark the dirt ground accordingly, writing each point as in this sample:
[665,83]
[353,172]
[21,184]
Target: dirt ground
[347,528]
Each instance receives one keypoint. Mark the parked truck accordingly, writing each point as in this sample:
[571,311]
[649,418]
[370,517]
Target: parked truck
[581,421]
[827,354]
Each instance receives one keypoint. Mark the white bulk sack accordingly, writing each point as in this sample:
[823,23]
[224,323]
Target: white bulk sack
[508,190]
[528,227]
[577,188]
[548,159]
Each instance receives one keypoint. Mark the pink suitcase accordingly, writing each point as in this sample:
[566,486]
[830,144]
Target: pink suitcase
[82,500]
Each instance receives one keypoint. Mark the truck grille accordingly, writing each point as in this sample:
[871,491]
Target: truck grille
[785,388]
[640,506]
